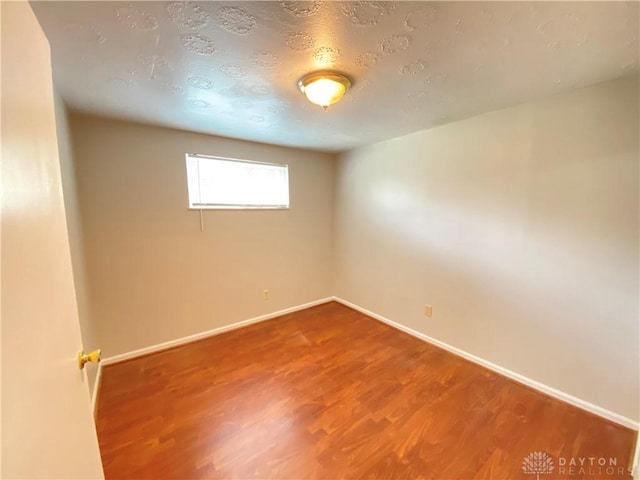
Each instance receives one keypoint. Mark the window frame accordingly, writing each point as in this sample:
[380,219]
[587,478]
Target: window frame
[198,156]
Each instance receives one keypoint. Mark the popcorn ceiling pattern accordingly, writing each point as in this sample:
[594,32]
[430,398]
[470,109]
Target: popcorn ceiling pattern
[395,43]
[300,41]
[198,43]
[265,59]
[172,88]
[366,13]
[233,70]
[301,9]
[367,59]
[230,67]
[421,18]
[235,20]
[188,15]
[259,90]
[199,103]
[326,56]
[137,19]
[413,68]
[197,81]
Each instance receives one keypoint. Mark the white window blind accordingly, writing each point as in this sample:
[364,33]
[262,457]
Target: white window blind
[217,182]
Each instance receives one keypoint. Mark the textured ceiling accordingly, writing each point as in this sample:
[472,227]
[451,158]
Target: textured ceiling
[230,68]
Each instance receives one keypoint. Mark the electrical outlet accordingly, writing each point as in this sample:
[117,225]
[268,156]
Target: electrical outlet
[266,294]
[428,311]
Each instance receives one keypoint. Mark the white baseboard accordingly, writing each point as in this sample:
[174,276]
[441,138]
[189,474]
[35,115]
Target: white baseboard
[636,459]
[96,390]
[565,397]
[199,336]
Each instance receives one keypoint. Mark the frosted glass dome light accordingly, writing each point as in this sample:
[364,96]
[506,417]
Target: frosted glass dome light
[324,88]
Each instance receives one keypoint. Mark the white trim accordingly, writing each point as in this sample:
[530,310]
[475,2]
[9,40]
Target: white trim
[541,387]
[209,333]
[636,460]
[96,390]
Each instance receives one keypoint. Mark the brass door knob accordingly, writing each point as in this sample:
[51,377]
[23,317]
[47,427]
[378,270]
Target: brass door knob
[88,357]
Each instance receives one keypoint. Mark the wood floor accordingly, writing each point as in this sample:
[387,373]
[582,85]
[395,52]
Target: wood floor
[329,393]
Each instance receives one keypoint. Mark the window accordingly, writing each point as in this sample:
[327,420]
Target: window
[216,182]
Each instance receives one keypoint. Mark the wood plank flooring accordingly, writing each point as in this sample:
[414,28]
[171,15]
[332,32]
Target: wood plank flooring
[329,393]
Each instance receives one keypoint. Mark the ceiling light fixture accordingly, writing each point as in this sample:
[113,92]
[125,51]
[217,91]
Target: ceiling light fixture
[324,88]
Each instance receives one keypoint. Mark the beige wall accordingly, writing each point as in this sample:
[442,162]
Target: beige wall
[519,226]
[76,240]
[153,275]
